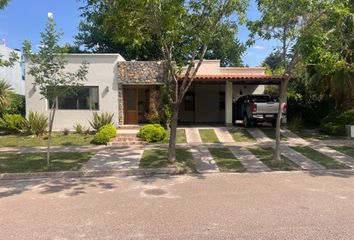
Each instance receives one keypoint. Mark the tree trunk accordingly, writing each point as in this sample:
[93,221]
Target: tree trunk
[173,134]
[51,120]
[282,98]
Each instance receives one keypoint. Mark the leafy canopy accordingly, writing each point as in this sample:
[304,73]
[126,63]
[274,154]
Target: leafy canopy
[48,65]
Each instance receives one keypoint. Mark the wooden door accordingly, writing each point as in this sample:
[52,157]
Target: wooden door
[131,106]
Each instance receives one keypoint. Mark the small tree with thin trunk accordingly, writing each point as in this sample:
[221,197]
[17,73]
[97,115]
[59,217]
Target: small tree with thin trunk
[48,70]
[182,30]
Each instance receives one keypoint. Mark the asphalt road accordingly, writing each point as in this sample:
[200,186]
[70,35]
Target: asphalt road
[297,205]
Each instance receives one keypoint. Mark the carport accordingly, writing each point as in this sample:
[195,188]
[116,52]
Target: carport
[209,99]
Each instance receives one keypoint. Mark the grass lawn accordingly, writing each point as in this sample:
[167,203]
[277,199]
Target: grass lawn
[37,162]
[266,155]
[270,132]
[349,150]
[157,158]
[241,135]
[320,158]
[226,161]
[314,134]
[32,141]
[208,136]
[180,138]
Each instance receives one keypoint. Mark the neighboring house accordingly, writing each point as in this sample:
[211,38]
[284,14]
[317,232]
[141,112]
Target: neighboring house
[132,89]
[13,75]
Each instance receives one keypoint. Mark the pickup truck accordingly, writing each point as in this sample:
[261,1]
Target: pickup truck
[253,109]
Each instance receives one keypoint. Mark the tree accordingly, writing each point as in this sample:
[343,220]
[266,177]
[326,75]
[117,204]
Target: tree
[326,48]
[182,31]
[48,70]
[281,20]
[94,35]
[3,3]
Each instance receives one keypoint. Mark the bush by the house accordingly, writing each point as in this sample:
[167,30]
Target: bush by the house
[17,105]
[99,120]
[36,123]
[334,123]
[78,128]
[152,133]
[66,131]
[105,134]
[11,123]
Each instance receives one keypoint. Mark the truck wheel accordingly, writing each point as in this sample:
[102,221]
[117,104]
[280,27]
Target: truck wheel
[246,122]
[274,123]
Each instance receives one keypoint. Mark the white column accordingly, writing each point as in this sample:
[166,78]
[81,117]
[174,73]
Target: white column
[228,103]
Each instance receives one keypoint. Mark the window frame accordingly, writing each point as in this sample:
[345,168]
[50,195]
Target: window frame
[187,107]
[77,101]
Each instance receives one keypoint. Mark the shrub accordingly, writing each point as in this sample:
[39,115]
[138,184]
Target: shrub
[79,128]
[11,123]
[334,123]
[296,123]
[36,123]
[17,105]
[104,134]
[66,131]
[152,133]
[99,120]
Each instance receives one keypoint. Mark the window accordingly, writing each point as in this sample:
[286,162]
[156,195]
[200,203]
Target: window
[82,97]
[189,101]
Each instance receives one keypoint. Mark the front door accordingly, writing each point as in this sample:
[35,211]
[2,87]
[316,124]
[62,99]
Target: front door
[131,113]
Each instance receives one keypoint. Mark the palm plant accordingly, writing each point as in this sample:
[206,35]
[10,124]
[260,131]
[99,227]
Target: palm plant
[5,94]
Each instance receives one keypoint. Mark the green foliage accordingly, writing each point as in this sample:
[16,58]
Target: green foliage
[105,134]
[5,95]
[11,123]
[3,3]
[101,119]
[17,105]
[103,25]
[296,123]
[79,128]
[152,133]
[48,65]
[36,123]
[334,123]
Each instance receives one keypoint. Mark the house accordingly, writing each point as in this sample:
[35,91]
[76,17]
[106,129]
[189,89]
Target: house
[12,75]
[132,89]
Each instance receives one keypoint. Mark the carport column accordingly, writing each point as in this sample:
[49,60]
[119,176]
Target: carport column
[228,103]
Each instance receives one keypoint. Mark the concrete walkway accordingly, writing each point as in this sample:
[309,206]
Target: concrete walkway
[304,162]
[203,160]
[259,135]
[292,137]
[248,160]
[330,152]
[223,135]
[115,159]
[192,135]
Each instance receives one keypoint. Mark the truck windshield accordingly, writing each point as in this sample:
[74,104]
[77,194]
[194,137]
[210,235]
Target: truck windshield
[261,99]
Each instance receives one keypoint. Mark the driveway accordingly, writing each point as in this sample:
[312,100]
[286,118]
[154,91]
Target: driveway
[272,205]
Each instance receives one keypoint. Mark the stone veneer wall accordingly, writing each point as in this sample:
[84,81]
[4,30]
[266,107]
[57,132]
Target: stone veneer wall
[138,73]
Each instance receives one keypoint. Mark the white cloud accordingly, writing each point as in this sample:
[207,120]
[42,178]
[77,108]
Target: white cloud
[259,47]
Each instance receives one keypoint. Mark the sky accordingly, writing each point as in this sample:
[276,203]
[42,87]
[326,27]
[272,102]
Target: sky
[25,19]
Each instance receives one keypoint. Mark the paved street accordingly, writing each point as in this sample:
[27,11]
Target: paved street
[271,205]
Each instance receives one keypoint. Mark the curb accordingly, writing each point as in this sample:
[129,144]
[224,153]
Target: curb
[82,174]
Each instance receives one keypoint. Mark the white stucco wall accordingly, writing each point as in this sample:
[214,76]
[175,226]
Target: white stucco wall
[13,74]
[102,73]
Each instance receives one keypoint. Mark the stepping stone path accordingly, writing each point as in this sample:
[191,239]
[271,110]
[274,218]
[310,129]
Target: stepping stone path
[330,152]
[292,137]
[304,162]
[192,135]
[259,135]
[203,160]
[223,135]
[248,160]
[115,159]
